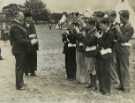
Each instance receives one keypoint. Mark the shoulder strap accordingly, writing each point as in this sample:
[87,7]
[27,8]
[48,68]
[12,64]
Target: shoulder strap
[20,27]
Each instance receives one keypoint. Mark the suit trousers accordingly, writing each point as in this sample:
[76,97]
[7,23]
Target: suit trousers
[103,69]
[123,67]
[19,69]
[70,63]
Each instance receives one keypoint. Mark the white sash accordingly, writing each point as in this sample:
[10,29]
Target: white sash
[80,44]
[32,36]
[126,44]
[71,45]
[105,51]
[92,48]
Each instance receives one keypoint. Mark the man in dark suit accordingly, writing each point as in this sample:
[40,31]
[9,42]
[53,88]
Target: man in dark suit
[20,44]
[123,35]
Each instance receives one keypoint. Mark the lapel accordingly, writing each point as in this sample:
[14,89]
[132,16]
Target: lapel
[22,28]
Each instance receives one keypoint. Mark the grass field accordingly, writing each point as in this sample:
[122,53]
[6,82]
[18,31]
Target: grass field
[50,86]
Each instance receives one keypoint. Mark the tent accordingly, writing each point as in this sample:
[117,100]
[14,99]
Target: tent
[87,12]
[61,22]
[63,19]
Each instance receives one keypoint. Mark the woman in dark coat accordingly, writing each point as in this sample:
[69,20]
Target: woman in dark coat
[32,53]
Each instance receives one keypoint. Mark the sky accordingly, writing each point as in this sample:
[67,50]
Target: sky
[70,5]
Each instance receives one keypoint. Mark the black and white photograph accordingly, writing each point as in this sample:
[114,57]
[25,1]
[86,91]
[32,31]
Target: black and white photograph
[67,51]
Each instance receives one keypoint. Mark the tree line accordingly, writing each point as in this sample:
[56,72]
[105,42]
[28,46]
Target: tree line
[37,8]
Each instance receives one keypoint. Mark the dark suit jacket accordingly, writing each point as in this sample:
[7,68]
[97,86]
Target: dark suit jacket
[19,38]
[106,41]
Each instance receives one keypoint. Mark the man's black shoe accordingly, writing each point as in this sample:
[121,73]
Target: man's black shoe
[70,79]
[1,58]
[20,88]
[26,74]
[120,88]
[89,86]
[33,74]
[123,89]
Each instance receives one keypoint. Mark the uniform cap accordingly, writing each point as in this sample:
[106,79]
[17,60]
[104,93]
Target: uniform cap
[105,19]
[112,13]
[124,13]
[98,14]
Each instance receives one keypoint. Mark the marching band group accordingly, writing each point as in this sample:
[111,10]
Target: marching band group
[96,50]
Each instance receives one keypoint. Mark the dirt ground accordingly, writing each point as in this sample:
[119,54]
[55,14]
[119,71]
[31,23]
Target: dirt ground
[50,85]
